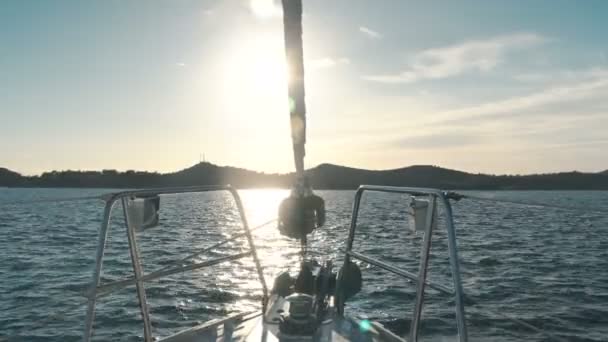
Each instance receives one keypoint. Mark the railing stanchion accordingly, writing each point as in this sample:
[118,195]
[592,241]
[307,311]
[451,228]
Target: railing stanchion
[254,253]
[422,271]
[92,293]
[137,272]
[455,268]
[139,277]
[349,246]
[420,279]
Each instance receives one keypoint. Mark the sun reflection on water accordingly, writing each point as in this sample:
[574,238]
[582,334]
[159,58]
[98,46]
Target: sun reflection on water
[262,205]
[276,252]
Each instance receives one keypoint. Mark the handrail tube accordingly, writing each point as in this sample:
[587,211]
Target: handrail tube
[452,251]
[165,191]
[101,245]
[254,253]
[349,246]
[399,271]
[401,190]
[117,285]
[135,262]
[423,270]
[239,317]
[453,259]
[111,198]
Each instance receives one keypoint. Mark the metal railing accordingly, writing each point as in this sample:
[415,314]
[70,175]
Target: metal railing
[96,290]
[420,279]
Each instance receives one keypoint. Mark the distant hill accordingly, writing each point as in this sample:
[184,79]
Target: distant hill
[324,176]
[340,177]
[208,174]
[8,177]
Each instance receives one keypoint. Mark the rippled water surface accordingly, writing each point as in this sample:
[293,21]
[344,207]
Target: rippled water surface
[545,266]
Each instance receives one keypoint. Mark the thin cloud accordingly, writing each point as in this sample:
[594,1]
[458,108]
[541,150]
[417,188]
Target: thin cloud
[327,62]
[370,33]
[588,84]
[476,55]
[553,114]
[561,75]
[439,140]
[180,64]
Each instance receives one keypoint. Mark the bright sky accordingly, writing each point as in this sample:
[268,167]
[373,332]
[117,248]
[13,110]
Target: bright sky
[481,86]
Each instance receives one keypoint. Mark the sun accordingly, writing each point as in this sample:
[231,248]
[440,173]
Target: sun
[265,8]
[255,73]
[251,98]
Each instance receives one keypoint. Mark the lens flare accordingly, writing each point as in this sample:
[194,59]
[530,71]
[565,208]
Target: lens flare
[365,325]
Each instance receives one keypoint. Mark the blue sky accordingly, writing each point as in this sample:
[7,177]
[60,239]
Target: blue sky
[481,86]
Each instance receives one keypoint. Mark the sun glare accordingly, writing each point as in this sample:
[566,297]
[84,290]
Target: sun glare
[265,8]
[255,76]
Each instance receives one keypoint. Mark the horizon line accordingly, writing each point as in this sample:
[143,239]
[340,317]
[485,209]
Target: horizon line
[316,166]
